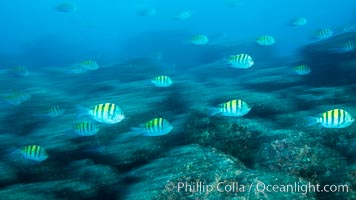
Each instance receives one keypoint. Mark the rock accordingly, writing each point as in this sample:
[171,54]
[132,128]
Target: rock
[67,189]
[239,137]
[96,174]
[299,156]
[188,172]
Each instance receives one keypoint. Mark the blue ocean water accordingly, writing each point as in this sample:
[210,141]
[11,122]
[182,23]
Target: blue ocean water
[154,99]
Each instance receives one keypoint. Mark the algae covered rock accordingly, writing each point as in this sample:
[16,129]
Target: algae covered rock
[67,189]
[16,194]
[343,183]
[97,174]
[299,156]
[237,137]
[195,172]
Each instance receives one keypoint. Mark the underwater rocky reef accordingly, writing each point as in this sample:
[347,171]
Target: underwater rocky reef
[205,157]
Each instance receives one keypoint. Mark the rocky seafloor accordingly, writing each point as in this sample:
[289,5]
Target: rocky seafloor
[205,157]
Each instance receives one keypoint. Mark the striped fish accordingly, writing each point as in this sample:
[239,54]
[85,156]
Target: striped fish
[200,39]
[89,65]
[55,111]
[65,7]
[324,33]
[20,71]
[162,81]
[183,15]
[336,118]
[349,46]
[266,40]
[299,21]
[86,129]
[302,69]
[147,12]
[349,28]
[241,61]
[77,69]
[233,108]
[34,152]
[107,113]
[155,127]
[346,47]
[17,98]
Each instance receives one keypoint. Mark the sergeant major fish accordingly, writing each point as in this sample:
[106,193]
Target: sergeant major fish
[299,21]
[65,7]
[346,47]
[336,118]
[302,69]
[183,15]
[323,34]
[155,127]
[147,12]
[53,111]
[107,113]
[266,40]
[199,40]
[242,61]
[19,70]
[34,152]
[233,108]
[89,65]
[86,129]
[17,98]
[162,81]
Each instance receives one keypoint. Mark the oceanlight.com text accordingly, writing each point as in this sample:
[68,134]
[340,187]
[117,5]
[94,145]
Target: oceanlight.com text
[236,187]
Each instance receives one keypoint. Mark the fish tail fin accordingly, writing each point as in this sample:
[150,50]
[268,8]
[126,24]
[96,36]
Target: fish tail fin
[137,131]
[82,111]
[310,121]
[13,153]
[213,111]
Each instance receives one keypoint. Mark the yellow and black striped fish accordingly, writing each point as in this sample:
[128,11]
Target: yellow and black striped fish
[17,98]
[299,21]
[349,46]
[266,40]
[147,12]
[162,81]
[107,113]
[55,111]
[233,108]
[77,69]
[20,71]
[183,15]
[200,39]
[89,65]
[65,7]
[336,118]
[86,129]
[302,69]
[241,61]
[34,152]
[346,47]
[156,127]
[324,33]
